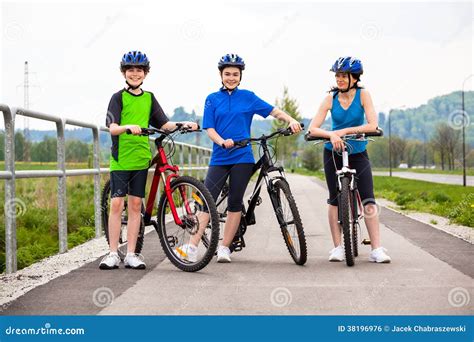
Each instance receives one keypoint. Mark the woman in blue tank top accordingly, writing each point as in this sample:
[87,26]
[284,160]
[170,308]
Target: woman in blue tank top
[352,111]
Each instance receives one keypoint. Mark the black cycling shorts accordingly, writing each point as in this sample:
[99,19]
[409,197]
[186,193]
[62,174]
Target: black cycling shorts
[360,162]
[239,175]
[128,183]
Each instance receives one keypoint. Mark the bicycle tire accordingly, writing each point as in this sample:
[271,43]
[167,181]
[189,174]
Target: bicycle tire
[344,214]
[354,225]
[298,253]
[105,200]
[214,222]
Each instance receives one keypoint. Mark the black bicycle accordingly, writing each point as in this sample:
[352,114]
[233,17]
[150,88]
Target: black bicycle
[282,200]
[350,208]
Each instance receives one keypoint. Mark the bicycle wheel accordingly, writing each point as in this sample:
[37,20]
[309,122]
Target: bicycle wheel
[355,225]
[105,208]
[290,222]
[194,204]
[345,205]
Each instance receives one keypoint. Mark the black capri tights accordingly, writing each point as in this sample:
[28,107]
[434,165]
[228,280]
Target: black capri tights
[239,177]
[360,162]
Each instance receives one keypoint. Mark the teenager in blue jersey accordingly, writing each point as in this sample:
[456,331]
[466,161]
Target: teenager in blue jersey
[228,115]
[352,111]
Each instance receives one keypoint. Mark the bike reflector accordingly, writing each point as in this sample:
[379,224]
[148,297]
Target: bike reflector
[197,198]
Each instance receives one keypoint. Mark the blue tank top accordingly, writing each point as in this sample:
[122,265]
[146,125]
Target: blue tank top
[350,117]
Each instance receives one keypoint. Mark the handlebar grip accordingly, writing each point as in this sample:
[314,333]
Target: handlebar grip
[377,133]
[308,137]
[128,131]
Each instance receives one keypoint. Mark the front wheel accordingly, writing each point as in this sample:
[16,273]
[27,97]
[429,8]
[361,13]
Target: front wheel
[197,211]
[289,219]
[345,207]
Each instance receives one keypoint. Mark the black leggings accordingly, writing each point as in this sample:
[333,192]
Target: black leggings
[360,162]
[239,177]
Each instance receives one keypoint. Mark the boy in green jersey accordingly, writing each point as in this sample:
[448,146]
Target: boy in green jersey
[130,109]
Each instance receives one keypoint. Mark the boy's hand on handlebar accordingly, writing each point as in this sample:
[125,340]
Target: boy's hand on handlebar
[228,143]
[134,129]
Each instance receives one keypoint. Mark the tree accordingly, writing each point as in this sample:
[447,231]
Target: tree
[19,146]
[311,158]
[414,153]
[445,142]
[76,151]
[44,151]
[398,150]
[378,152]
[286,145]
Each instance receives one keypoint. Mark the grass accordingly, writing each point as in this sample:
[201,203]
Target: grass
[305,172]
[454,202]
[37,218]
[47,165]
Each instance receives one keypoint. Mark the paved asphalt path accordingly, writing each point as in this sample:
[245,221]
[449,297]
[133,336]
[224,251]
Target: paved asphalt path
[431,273]
[429,177]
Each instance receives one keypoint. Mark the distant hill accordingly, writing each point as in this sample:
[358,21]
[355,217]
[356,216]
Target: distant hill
[412,123]
[419,123]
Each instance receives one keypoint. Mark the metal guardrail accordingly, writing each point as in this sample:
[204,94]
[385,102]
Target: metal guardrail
[10,175]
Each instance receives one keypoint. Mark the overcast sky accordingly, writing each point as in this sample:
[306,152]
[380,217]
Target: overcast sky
[411,52]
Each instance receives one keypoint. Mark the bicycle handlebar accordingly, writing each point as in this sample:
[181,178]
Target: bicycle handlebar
[359,136]
[282,131]
[179,127]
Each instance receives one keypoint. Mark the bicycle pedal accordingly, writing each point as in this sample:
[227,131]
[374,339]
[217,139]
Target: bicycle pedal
[365,242]
[238,244]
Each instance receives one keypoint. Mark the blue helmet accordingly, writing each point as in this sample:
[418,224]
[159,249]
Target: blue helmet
[348,64]
[231,60]
[135,58]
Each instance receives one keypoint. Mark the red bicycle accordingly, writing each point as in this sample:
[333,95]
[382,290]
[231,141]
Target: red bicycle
[185,203]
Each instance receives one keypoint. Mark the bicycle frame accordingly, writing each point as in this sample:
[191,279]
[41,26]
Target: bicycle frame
[265,165]
[346,171]
[162,166]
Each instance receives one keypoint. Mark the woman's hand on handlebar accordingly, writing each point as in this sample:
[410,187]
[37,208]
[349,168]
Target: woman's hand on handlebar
[295,126]
[191,125]
[336,141]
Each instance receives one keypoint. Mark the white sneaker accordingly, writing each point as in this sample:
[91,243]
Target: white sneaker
[379,255]
[134,261]
[187,252]
[223,254]
[337,254]
[110,261]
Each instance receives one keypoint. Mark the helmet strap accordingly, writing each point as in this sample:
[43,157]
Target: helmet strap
[133,87]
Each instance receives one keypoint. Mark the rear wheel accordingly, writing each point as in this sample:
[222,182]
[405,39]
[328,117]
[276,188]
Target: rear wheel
[105,209]
[290,221]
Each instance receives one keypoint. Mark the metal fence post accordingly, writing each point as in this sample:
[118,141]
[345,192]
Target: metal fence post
[190,160]
[96,165]
[10,194]
[62,199]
